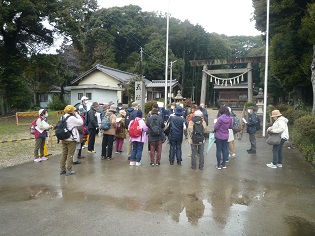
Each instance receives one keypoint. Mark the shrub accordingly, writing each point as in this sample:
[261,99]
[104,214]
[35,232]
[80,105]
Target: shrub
[56,104]
[292,115]
[148,106]
[283,107]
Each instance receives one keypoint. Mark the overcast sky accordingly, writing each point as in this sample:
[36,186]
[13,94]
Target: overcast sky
[230,17]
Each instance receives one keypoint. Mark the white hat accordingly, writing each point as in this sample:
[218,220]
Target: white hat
[198,113]
[84,98]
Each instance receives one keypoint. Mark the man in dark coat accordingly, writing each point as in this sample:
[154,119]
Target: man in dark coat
[251,129]
[92,125]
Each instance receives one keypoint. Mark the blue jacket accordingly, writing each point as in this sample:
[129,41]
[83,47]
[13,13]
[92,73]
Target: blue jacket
[177,128]
[252,123]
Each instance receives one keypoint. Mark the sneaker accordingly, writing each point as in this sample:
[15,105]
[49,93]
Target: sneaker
[271,165]
[233,155]
[279,165]
[218,167]
[89,151]
[157,164]
[224,167]
[70,172]
[193,167]
[138,163]
[132,163]
[152,164]
[94,151]
[117,152]
[62,171]
[109,158]
[44,158]
[76,162]
[227,161]
[200,167]
[190,155]
[38,159]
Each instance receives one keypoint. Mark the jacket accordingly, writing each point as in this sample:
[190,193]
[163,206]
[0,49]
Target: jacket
[205,114]
[222,126]
[41,127]
[161,125]
[91,119]
[194,120]
[252,123]
[112,119]
[280,126]
[132,113]
[122,133]
[72,122]
[178,124]
[144,129]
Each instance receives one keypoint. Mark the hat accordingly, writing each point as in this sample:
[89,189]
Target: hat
[155,111]
[252,107]
[120,104]
[198,113]
[179,111]
[69,109]
[139,114]
[275,113]
[42,112]
[112,108]
[111,103]
[84,98]
[134,104]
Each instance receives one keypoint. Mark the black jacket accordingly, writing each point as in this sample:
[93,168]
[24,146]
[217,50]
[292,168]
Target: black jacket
[91,119]
[161,124]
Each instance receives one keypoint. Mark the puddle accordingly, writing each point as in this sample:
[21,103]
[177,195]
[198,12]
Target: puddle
[300,226]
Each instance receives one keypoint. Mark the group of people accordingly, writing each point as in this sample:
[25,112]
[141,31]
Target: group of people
[114,123]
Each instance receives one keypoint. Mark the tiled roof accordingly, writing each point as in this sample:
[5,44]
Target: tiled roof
[161,83]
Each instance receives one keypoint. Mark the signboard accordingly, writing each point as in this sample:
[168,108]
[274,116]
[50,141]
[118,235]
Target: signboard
[140,94]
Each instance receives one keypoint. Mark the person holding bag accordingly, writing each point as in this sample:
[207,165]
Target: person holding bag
[279,126]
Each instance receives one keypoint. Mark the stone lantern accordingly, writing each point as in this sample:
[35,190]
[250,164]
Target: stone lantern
[260,102]
[179,96]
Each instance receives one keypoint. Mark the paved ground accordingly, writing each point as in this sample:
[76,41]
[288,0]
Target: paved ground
[112,198]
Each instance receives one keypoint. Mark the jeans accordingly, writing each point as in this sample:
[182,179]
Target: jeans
[156,146]
[222,147]
[119,144]
[277,153]
[197,149]
[252,140]
[175,146]
[92,134]
[136,153]
[107,143]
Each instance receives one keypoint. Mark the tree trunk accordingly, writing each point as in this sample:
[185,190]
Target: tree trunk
[313,79]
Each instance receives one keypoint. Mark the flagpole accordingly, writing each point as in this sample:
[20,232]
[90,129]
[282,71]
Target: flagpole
[166,53]
[266,71]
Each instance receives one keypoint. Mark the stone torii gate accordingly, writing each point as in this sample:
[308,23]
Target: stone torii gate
[242,60]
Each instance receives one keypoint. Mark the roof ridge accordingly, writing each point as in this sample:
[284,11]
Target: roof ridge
[117,70]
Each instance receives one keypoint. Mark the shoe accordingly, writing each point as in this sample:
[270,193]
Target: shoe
[179,162]
[116,152]
[251,152]
[76,162]
[103,157]
[249,149]
[224,167]
[38,159]
[218,167]
[158,163]
[81,157]
[271,165]
[152,164]
[233,155]
[109,158]
[89,151]
[190,155]
[200,167]
[279,165]
[230,155]
[227,161]
[70,172]
[193,167]
[44,158]
[94,151]
[132,163]
[171,162]
[138,163]
[62,171]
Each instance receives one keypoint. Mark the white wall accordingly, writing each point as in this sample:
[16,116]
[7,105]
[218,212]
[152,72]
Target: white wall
[98,95]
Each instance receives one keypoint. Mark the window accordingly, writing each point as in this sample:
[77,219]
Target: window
[89,95]
[80,95]
[43,97]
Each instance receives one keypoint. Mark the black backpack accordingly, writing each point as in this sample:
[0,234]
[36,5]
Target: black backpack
[197,134]
[128,118]
[155,126]
[62,131]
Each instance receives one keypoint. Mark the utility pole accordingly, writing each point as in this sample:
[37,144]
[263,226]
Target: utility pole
[171,77]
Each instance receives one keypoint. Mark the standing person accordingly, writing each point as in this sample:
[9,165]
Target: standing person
[68,145]
[108,135]
[280,125]
[120,131]
[40,135]
[204,112]
[221,128]
[83,108]
[155,125]
[131,115]
[251,129]
[92,124]
[197,146]
[138,142]
[177,125]
[232,149]
[119,107]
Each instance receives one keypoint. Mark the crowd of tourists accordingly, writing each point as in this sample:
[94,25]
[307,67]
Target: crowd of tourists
[116,124]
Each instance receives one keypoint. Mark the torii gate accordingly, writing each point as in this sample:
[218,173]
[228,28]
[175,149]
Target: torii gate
[242,60]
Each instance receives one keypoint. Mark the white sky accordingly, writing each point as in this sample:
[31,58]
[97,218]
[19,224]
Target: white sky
[230,17]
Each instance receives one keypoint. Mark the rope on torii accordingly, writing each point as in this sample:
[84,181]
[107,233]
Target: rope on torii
[224,81]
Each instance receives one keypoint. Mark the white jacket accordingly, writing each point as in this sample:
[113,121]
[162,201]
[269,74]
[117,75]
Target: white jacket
[72,123]
[280,126]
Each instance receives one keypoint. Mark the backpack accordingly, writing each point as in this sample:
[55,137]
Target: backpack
[258,127]
[33,126]
[134,129]
[62,131]
[155,126]
[105,123]
[197,133]
[128,118]
[119,127]
[236,125]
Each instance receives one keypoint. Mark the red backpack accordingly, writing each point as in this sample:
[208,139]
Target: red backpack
[134,129]
[32,127]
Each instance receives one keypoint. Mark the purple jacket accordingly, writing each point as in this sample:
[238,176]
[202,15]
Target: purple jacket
[144,129]
[222,126]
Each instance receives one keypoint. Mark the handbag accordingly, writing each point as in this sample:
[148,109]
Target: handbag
[231,135]
[274,139]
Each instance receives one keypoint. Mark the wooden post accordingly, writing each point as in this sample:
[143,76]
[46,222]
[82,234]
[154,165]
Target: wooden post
[250,83]
[204,85]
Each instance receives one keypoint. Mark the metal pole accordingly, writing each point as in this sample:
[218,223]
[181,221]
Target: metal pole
[166,56]
[171,79]
[266,71]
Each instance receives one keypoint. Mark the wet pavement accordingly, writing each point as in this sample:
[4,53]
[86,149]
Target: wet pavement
[113,198]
